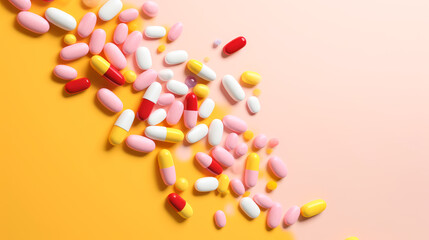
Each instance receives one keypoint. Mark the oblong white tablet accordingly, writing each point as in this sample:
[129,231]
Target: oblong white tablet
[165,74]
[60,19]
[253,104]
[233,88]
[176,57]
[206,184]
[155,32]
[157,117]
[197,133]
[143,58]
[110,9]
[215,132]
[177,87]
[206,108]
[249,207]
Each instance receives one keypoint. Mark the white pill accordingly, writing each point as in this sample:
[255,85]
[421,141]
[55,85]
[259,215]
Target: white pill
[155,32]
[253,104]
[206,108]
[197,133]
[157,117]
[233,88]
[110,9]
[215,132]
[177,87]
[206,184]
[249,207]
[60,19]
[165,74]
[143,58]
[176,57]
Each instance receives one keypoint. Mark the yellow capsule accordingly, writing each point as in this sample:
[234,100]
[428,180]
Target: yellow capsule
[194,66]
[99,64]
[122,126]
[181,184]
[251,78]
[248,135]
[201,90]
[70,39]
[117,135]
[313,208]
[223,183]
[257,92]
[165,159]
[174,135]
[130,76]
[187,211]
[161,48]
[252,162]
[271,185]
[352,238]
[246,194]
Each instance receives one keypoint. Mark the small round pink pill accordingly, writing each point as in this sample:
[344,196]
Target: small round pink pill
[274,215]
[109,100]
[231,141]
[32,22]
[145,79]
[22,5]
[115,56]
[128,15]
[74,51]
[220,219]
[96,43]
[120,34]
[87,24]
[140,143]
[277,167]
[273,142]
[132,42]
[65,72]
[175,112]
[292,215]
[263,201]
[260,141]
[237,187]
[165,99]
[175,31]
[150,8]
[222,156]
[234,124]
[241,149]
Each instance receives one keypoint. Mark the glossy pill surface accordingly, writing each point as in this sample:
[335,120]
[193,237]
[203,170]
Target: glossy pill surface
[165,74]
[120,33]
[97,41]
[164,134]
[144,80]
[109,100]
[182,207]
[132,42]
[206,108]
[207,162]
[150,8]
[206,184]
[233,88]
[220,218]
[74,51]
[234,45]
[22,5]
[166,167]
[253,104]
[234,124]
[32,22]
[201,70]
[165,99]
[128,15]
[175,31]
[313,208]
[251,78]
[155,32]
[201,90]
[263,200]
[292,215]
[249,207]
[87,24]
[277,167]
[78,85]
[65,72]
[175,112]
[115,56]
[176,57]
[274,215]
[260,141]
[222,156]
[143,58]
[197,133]
[140,143]
[130,76]
[231,141]
[241,149]
[223,183]
[121,127]
[215,132]
[60,19]
[110,9]
[237,187]
[157,117]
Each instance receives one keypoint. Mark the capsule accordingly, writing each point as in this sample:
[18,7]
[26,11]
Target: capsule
[223,183]
[105,69]
[201,70]
[122,126]
[164,134]
[234,45]
[149,99]
[77,85]
[166,167]
[313,208]
[252,170]
[190,115]
[182,207]
[208,163]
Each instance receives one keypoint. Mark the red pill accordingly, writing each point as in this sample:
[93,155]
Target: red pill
[234,45]
[77,85]
[182,207]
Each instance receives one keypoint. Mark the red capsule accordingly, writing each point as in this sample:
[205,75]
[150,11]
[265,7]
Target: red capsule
[234,45]
[77,85]
[176,201]
[190,115]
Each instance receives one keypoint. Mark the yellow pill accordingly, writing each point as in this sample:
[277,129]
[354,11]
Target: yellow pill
[91,3]
[133,27]
[313,208]
[130,76]
[201,90]
[161,48]
[252,78]
[257,92]
[352,238]
[223,183]
[271,185]
[269,150]
[246,194]
[70,39]
[248,135]
[206,59]
[181,184]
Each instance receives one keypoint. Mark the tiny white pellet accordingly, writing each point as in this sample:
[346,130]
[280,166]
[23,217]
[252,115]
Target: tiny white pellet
[177,87]
[110,9]
[206,108]
[215,132]
[165,74]
[249,207]
[60,19]
[155,32]
[253,104]
[157,117]
[197,133]
[233,88]
[176,57]
[206,184]
[143,58]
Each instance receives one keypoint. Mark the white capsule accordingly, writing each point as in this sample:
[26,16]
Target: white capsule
[176,57]
[143,58]
[157,117]
[253,104]
[249,207]
[165,74]
[215,132]
[233,88]
[206,108]
[206,184]
[125,120]
[177,87]
[60,19]
[197,133]
[156,132]
[153,92]
[110,9]
[155,32]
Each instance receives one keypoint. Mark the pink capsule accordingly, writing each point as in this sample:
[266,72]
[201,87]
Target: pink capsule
[96,43]
[263,201]
[220,219]
[222,156]
[165,99]
[145,79]
[150,8]
[120,34]
[87,24]
[22,5]
[208,163]
[175,113]
[260,141]
[237,187]
[277,167]
[132,42]
[65,72]
[234,124]
[231,141]
[115,56]
[140,143]
[240,150]
[274,216]
[292,215]
[109,100]
[190,115]
[32,22]
[175,31]
[74,51]
[128,15]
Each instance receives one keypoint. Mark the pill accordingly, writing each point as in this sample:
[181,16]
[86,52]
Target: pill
[206,108]
[87,24]
[155,32]
[74,51]
[256,92]
[128,15]
[260,141]
[122,126]
[197,133]
[130,76]
[190,115]
[115,56]
[176,57]
[246,194]
[150,8]
[216,43]
[233,88]
[201,90]
[206,184]
[352,238]
[65,72]
[166,167]
[234,45]
[263,200]
[274,215]
[133,26]
[120,33]
[231,141]
[269,150]
[109,100]
[253,104]
[190,81]
[208,163]
[292,215]
[181,184]
[251,78]
[132,42]
[313,208]
[271,186]
[105,69]
[143,58]
[234,124]
[165,74]
[215,132]
[273,142]
[32,22]
[149,99]
[249,207]
[164,134]
[70,39]
[140,143]
[206,59]
[91,3]
[157,117]
[241,149]
[22,5]
[97,41]
[78,85]
[252,170]
[145,79]
[223,183]
[237,187]
[175,112]
[177,87]
[201,70]
[110,9]
[175,31]
[60,19]
[220,219]
[277,167]
[222,156]
[182,207]
[165,99]
[248,135]
[161,48]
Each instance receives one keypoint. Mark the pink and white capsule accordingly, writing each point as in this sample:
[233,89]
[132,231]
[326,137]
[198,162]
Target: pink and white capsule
[274,216]
[175,113]
[65,72]
[231,141]
[166,167]
[260,141]
[132,42]
[263,200]
[237,187]
[140,143]
[115,56]
[292,215]
[234,124]
[109,100]
[120,34]
[277,167]
[144,80]
[252,170]
[97,41]
[215,132]
[87,24]
[222,156]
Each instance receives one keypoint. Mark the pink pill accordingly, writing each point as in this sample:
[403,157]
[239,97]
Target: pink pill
[263,201]
[222,156]
[120,34]
[234,124]
[241,149]
[150,8]
[175,113]
[132,42]
[273,142]
[22,5]
[165,99]
[260,141]
[237,187]
[231,141]
[220,218]
[277,167]
[145,79]
[65,72]
[274,215]
[140,143]
[292,215]
[115,56]
[109,100]
[87,24]
[74,51]
[175,31]
[128,15]
[96,43]
[32,22]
